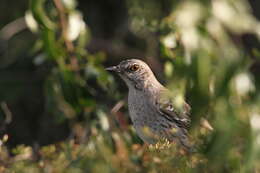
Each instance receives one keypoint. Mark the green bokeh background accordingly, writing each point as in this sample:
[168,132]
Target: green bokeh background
[60,111]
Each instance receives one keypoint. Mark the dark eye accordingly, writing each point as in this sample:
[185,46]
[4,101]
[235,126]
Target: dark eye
[134,67]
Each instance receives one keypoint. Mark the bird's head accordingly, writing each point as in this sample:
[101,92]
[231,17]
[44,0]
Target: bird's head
[134,72]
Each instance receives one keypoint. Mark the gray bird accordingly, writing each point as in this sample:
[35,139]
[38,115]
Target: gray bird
[150,105]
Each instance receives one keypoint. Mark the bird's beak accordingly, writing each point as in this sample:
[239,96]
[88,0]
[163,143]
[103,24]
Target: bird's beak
[113,68]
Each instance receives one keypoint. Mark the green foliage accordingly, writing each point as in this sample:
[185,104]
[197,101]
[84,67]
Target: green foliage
[204,61]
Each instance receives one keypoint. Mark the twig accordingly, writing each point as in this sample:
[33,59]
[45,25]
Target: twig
[64,24]
[12,28]
[64,29]
[118,106]
[8,113]
[119,115]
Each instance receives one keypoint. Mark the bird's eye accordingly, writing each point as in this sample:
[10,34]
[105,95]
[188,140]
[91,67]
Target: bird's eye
[134,67]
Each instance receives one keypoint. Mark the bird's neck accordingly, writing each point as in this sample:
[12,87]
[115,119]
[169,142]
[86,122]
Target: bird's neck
[149,85]
[152,85]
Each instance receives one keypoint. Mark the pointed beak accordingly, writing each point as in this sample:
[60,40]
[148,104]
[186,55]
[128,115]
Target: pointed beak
[113,68]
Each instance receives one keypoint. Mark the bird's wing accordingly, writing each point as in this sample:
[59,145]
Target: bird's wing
[165,106]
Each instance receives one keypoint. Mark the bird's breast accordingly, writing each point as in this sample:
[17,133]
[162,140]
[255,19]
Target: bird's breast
[140,109]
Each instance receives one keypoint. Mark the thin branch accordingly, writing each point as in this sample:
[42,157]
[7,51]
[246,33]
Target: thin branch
[64,24]
[7,112]
[12,28]
[64,29]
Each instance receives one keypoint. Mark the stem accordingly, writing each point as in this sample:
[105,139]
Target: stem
[64,23]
